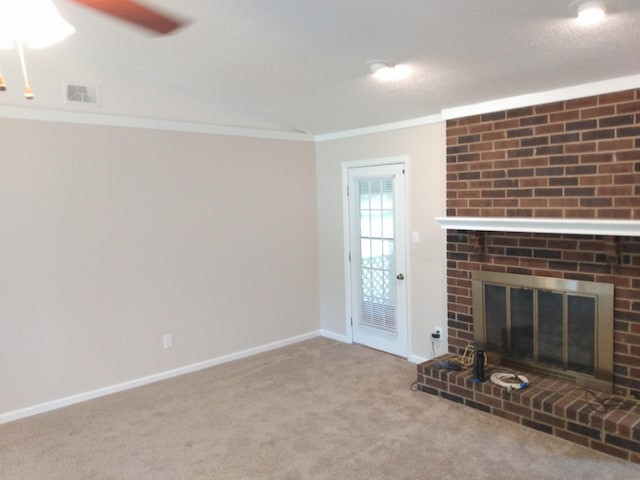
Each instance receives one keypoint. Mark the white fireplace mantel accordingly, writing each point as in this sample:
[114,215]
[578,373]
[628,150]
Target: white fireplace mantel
[630,228]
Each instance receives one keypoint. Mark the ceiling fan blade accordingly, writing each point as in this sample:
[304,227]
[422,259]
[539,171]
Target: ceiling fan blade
[136,13]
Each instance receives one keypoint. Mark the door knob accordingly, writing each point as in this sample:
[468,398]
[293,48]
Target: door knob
[400,276]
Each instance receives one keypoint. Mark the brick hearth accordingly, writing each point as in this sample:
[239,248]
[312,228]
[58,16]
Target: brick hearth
[547,405]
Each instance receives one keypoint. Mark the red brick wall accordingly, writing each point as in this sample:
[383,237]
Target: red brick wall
[572,159]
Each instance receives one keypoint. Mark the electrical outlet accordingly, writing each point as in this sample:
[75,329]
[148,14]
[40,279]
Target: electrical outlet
[438,330]
[167,340]
[437,333]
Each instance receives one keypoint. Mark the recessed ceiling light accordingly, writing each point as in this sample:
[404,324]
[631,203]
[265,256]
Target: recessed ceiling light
[387,73]
[590,13]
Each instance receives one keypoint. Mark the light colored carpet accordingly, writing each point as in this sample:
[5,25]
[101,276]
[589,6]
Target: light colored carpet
[318,409]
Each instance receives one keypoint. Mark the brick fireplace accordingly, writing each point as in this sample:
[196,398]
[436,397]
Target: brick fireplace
[575,159]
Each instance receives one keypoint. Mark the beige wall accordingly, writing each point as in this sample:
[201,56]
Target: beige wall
[426,151]
[111,237]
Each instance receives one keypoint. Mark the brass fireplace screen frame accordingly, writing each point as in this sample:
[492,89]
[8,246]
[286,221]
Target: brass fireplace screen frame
[602,380]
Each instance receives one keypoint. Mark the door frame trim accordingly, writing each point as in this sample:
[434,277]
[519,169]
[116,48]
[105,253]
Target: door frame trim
[373,162]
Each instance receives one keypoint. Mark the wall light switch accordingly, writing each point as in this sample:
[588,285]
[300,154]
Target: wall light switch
[415,237]
[167,340]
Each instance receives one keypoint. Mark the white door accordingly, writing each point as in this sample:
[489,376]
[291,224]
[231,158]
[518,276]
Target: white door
[378,257]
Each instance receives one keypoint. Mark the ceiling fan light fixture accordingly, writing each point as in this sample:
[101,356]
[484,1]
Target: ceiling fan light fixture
[28,92]
[590,13]
[35,22]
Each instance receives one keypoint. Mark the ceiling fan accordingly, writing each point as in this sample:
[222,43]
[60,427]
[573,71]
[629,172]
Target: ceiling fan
[18,25]
[136,13]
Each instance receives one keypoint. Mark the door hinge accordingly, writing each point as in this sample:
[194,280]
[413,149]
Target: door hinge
[349,257]
[347,190]
[352,321]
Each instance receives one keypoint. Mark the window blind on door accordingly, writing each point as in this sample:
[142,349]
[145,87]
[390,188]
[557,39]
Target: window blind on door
[377,242]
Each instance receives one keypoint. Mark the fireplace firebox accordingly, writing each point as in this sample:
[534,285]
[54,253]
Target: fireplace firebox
[551,326]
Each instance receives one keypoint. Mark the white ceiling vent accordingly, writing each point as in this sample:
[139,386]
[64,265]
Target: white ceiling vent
[80,94]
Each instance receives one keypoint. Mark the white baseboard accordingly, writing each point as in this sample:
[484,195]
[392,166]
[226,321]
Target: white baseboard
[335,336]
[100,392]
[344,339]
[416,359]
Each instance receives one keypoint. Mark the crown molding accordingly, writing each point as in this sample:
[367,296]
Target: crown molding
[547,96]
[84,118]
[507,103]
[385,127]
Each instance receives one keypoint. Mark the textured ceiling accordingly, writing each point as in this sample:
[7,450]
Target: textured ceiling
[301,65]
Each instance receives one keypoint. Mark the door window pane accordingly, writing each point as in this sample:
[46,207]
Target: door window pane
[377,254]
